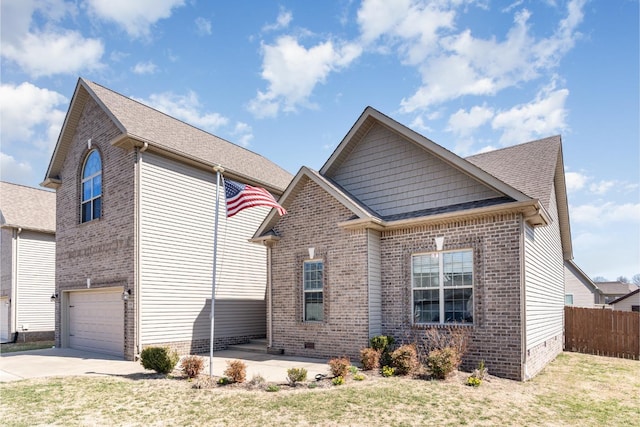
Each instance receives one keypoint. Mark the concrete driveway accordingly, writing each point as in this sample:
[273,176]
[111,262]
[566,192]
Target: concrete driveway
[53,362]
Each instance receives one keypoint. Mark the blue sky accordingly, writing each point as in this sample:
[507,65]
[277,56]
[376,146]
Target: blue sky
[288,79]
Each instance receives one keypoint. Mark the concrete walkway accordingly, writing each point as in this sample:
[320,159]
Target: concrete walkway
[54,362]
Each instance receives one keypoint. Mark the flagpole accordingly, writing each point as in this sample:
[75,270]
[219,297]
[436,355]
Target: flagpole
[219,170]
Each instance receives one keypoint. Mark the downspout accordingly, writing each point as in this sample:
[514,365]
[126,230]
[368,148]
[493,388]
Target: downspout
[269,300]
[137,329]
[14,283]
[523,301]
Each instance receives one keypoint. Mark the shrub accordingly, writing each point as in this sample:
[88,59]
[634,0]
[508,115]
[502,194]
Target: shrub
[442,362]
[256,381]
[439,339]
[478,375]
[192,366]
[359,377]
[473,381]
[388,371]
[339,380]
[382,342]
[272,388]
[405,359]
[160,359]
[296,375]
[223,380]
[339,366]
[313,385]
[236,371]
[370,358]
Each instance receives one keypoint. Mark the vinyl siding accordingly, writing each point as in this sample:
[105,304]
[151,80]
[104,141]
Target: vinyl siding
[627,303]
[582,294]
[375,283]
[177,226]
[392,176]
[6,249]
[36,282]
[544,280]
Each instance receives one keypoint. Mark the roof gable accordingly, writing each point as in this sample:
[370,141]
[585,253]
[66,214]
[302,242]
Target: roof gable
[27,207]
[141,124]
[372,118]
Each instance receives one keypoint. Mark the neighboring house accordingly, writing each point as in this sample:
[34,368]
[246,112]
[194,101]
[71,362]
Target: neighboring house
[628,302]
[135,220]
[397,235]
[28,249]
[580,290]
[614,290]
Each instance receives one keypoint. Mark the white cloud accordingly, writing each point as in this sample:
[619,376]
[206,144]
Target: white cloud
[187,108]
[29,114]
[465,123]
[452,64]
[282,21]
[39,51]
[243,134]
[545,115]
[601,187]
[145,68]
[203,26]
[12,170]
[293,71]
[575,181]
[605,213]
[136,17]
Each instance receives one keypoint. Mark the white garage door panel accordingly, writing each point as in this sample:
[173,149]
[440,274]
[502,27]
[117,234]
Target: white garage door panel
[96,322]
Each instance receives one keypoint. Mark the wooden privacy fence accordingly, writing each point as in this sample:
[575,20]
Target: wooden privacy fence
[602,331]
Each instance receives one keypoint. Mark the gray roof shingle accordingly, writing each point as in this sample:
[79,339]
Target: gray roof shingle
[529,167]
[27,207]
[147,124]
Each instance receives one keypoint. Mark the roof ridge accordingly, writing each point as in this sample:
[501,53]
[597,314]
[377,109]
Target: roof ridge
[514,145]
[28,187]
[128,98]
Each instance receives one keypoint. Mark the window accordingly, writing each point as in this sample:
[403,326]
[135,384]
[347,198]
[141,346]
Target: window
[313,291]
[91,204]
[635,308]
[442,285]
[568,299]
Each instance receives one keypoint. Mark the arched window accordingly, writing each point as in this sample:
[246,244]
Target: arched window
[91,205]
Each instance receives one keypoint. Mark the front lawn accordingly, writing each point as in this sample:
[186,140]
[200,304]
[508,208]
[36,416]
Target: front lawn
[25,346]
[576,389]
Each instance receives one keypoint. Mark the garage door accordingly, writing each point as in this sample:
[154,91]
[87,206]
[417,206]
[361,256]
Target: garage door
[4,319]
[96,321]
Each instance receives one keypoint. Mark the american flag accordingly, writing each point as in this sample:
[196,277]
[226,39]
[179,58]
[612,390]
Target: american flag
[241,196]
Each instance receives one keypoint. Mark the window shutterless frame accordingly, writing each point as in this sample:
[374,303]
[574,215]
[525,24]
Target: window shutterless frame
[442,287]
[313,291]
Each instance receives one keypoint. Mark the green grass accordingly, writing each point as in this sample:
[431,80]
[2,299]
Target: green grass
[25,346]
[575,389]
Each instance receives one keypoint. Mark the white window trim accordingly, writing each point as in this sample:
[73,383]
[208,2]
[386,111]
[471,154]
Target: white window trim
[305,291]
[441,287]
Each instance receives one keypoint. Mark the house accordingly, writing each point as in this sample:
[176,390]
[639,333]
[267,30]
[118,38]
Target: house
[27,246]
[136,194]
[580,290]
[396,235]
[614,290]
[628,302]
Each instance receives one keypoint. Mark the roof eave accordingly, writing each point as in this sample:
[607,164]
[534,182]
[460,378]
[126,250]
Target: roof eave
[532,212]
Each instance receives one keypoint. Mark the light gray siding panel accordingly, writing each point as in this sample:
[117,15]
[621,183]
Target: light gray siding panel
[177,226]
[544,280]
[582,295]
[6,248]
[375,283]
[36,281]
[392,175]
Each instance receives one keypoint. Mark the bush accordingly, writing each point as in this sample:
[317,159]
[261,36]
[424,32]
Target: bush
[388,371]
[160,359]
[272,388]
[370,358]
[296,375]
[405,359]
[442,362]
[473,381]
[339,380]
[382,342]
[192,366]
[359,377]
[339,366]
[236,371]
